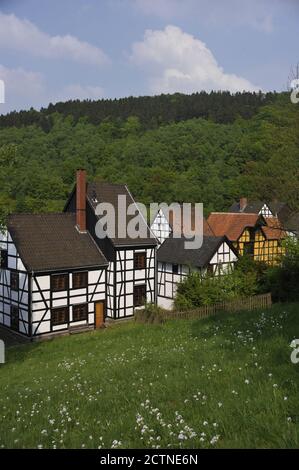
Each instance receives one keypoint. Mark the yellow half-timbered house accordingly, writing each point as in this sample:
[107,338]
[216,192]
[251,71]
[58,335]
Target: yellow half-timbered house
[252,234]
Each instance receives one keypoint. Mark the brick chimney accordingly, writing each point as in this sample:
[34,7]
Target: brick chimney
[81,200]
[243,203]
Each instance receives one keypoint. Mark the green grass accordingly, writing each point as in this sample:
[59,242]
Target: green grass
[226,381]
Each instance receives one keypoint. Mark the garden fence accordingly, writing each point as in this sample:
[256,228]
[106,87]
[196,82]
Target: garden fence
[246,303]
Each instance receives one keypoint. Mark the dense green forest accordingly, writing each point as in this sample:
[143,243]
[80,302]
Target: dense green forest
[152,111]
[163,152]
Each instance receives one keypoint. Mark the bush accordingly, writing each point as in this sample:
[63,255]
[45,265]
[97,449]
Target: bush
[254,274]
[283,281]
[151,313]
[247,279]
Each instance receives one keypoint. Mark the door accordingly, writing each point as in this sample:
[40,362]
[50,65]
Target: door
[100,314]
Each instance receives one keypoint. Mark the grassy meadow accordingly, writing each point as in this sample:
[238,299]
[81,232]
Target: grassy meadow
[226,381]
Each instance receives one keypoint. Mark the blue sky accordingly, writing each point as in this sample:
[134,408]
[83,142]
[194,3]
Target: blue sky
[53,50]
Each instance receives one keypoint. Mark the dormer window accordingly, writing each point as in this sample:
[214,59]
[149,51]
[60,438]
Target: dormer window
[94,198]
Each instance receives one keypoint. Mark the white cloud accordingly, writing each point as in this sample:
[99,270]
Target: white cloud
[178,62]
[22,35]
[25,89]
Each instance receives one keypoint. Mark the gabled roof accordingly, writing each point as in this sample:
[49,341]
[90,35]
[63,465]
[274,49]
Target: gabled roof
[173,251]
[252,207]
[50,242]
[292,223]
[232,225]
[278,208]
[273,230]
[98,192]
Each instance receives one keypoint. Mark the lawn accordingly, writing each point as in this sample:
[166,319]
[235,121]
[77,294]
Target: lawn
[226,381]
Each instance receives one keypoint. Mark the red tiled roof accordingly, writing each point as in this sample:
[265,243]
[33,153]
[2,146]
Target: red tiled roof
[274,229]
[231,224]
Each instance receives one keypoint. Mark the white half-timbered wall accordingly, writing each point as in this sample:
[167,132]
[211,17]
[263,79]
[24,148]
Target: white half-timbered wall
[220,264]
[265,211]
[110,289]
[160,227]
[43,300]
[122,277]
[8,296]
[34,290]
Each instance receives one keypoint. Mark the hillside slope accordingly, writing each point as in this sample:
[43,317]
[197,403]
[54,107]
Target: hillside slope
[226,381]
[196,160]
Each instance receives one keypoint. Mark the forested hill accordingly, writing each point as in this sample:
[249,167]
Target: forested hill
[152,111]
[194,160]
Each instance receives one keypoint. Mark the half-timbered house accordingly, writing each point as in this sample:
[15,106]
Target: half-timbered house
[163,224]
[288,219]
[52,276]
[216,257]
[251,233]
[131,273]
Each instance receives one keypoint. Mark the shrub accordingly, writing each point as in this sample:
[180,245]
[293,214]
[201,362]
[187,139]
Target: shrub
[151,313]
[283,280]
[245,280]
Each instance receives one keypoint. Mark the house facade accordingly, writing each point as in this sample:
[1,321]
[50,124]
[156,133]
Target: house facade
[216,257]
[252,234]
[132,263]
[58,276]
[164,224]
[52,277]
[160,226]
[288,219]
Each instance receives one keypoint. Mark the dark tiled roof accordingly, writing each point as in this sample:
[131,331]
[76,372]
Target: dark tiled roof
[252,207]
[278,208]
[173,251]
[281,210]
[48,242]
[232,225]
[98,192]
[292,224]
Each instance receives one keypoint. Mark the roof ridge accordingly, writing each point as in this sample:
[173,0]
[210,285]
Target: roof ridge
[106,182]
[40,213]
[234,213]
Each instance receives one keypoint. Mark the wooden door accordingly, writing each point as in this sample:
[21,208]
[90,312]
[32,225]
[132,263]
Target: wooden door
[100,314]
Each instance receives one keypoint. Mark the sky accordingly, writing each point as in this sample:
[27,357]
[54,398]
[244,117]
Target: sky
[55,50]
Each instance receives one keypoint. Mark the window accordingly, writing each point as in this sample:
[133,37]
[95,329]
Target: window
[3,259]
[14,281]
[139,295]
[139,260]
[59,316]
[210,270]
[249,248]
[80,280]
[59,282]
[175,269]
[14,312]
[80,312]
